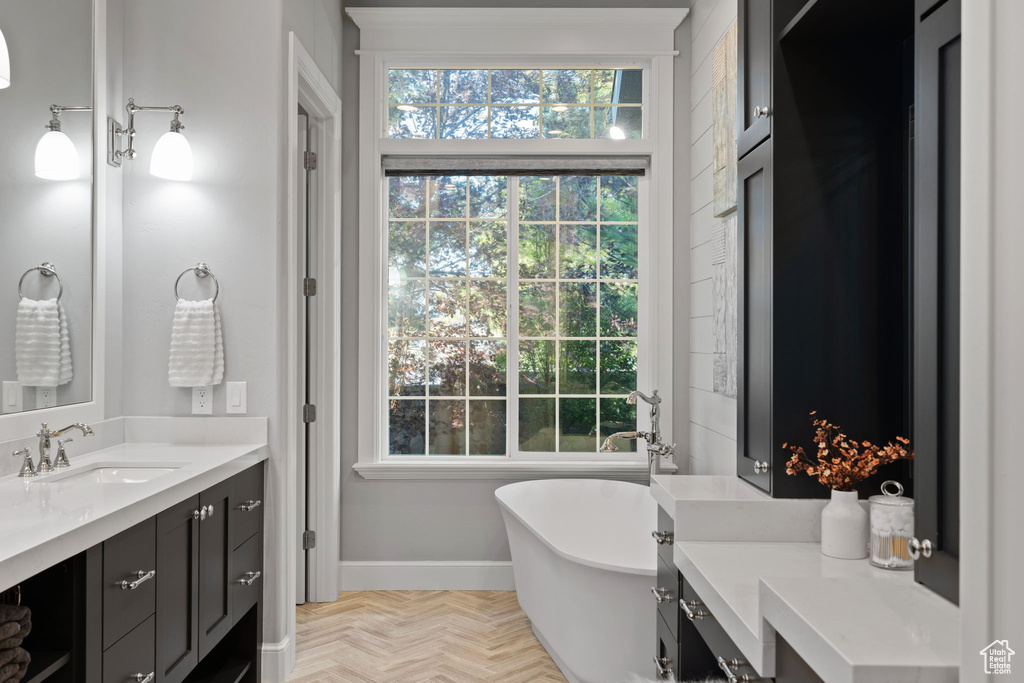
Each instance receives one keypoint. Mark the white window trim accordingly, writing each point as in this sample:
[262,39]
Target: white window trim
[452,37]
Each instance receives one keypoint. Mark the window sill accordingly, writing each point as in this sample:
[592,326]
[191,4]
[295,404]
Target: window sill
[623,470]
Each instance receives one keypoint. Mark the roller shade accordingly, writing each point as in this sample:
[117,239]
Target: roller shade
[410,165]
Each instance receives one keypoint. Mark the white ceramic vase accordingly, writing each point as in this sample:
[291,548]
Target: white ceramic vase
[844,527]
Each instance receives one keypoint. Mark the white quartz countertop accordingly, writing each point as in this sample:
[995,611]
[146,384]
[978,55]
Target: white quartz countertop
[47,519]
[829,610]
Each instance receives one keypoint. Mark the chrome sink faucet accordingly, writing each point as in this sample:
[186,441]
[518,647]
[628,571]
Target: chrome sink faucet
[44,445]
[656,449]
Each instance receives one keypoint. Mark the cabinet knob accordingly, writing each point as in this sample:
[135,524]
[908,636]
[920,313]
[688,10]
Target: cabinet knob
[202,514]
[195,514]
[760,467]
[917,549]
[249,578]
[140,578]
[664,665]
[209,510]
[663,537]
[760,112]
[694,609]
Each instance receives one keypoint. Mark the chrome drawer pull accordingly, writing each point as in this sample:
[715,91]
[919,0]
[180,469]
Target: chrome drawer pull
[249,578]
[145,678]
[694,609]
[662,594]
[663,537]
[727,667]
[917,549]
[664,665]
[142,577]
[250,505]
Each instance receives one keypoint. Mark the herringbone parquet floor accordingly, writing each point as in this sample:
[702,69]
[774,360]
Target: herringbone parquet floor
[420,637]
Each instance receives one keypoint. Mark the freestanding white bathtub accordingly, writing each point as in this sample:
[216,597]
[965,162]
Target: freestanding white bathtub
[584,565]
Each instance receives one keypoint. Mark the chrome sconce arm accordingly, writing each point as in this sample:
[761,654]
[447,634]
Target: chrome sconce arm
[177,168]
[56,110]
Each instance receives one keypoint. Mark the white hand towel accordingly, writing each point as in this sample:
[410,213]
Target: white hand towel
[42,346]
[197,347]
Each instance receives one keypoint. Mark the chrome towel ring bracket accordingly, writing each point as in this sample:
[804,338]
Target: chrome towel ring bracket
[46,269]
[201,270]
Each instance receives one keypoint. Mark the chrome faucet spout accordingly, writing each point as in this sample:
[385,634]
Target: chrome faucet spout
[45,434]
[609,445]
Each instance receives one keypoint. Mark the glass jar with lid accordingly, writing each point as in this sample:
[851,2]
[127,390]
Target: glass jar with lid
[892,527]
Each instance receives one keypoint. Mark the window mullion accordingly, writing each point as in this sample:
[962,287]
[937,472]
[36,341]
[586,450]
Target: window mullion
[558,317]
[512,317]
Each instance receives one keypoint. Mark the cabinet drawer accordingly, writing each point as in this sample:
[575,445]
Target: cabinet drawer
[245,517]
[667,595]
[715,637]
[664,536]
[133,658]
[246,575]
[129,580]
[667,653]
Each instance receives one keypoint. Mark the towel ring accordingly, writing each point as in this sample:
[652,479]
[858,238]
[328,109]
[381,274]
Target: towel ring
[201,270]
[46,269]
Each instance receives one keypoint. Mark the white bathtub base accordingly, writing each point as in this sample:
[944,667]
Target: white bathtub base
[584,566]
[566,671]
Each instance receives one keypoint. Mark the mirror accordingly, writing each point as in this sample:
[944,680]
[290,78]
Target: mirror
[46,205]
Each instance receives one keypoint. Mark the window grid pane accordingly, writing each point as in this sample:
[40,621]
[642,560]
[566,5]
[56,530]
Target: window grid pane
[462,104]
[448,377]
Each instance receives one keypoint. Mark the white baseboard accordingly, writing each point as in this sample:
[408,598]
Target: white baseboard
[425,576]
[277,660]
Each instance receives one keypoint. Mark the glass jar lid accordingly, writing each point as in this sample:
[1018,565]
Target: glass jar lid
[892,494]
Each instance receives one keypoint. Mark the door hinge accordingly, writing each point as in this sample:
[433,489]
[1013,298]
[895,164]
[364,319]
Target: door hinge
[309,286]
[308,539]
[309,161]
[309,413]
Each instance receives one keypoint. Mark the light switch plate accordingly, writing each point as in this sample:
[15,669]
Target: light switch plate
[237,402]
[202,400]
[13,397]
[46,397]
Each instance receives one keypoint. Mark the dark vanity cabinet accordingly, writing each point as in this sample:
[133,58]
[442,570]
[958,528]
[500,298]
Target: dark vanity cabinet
[936,320]
[823,229]
[753,73]
[174,598]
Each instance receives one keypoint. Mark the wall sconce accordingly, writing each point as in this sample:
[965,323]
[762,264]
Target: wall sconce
[5,63]
[56,156]
[172,155]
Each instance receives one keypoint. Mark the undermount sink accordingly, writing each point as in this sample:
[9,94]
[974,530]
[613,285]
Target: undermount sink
[113,473]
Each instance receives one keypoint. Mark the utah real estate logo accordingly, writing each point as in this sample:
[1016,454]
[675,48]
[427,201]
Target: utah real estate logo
[997,657]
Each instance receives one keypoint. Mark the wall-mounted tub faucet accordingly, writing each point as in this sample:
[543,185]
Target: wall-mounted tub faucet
[656,449]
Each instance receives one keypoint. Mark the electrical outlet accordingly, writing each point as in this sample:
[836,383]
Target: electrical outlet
[202,400]
[46,397]
[236,398]
[13,397]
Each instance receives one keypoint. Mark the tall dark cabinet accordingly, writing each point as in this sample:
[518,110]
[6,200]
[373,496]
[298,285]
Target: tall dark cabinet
[823,227]
[936,320]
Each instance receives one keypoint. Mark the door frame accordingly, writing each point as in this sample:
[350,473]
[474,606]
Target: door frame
[308,87]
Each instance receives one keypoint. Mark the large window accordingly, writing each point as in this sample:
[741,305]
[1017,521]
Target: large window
[512,313]
[468,104]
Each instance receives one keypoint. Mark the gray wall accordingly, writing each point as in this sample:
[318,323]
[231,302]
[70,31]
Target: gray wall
[459,520]
[712,416]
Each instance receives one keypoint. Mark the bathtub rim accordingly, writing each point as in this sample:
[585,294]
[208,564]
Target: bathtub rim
[637,571]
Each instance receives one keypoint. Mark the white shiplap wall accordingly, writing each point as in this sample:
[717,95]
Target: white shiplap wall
[712,416]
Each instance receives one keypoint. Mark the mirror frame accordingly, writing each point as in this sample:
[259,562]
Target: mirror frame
[26,423]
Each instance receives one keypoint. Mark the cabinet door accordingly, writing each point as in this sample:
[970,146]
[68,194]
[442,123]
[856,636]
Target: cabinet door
[754,295]
[177,595]
[753,73]
[214,566]
[936,320]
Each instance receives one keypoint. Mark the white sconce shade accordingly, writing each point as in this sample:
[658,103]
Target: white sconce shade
[56,157]
[172,157]
[5,63]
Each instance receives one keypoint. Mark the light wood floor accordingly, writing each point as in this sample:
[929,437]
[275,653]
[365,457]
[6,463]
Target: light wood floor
[420,636]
